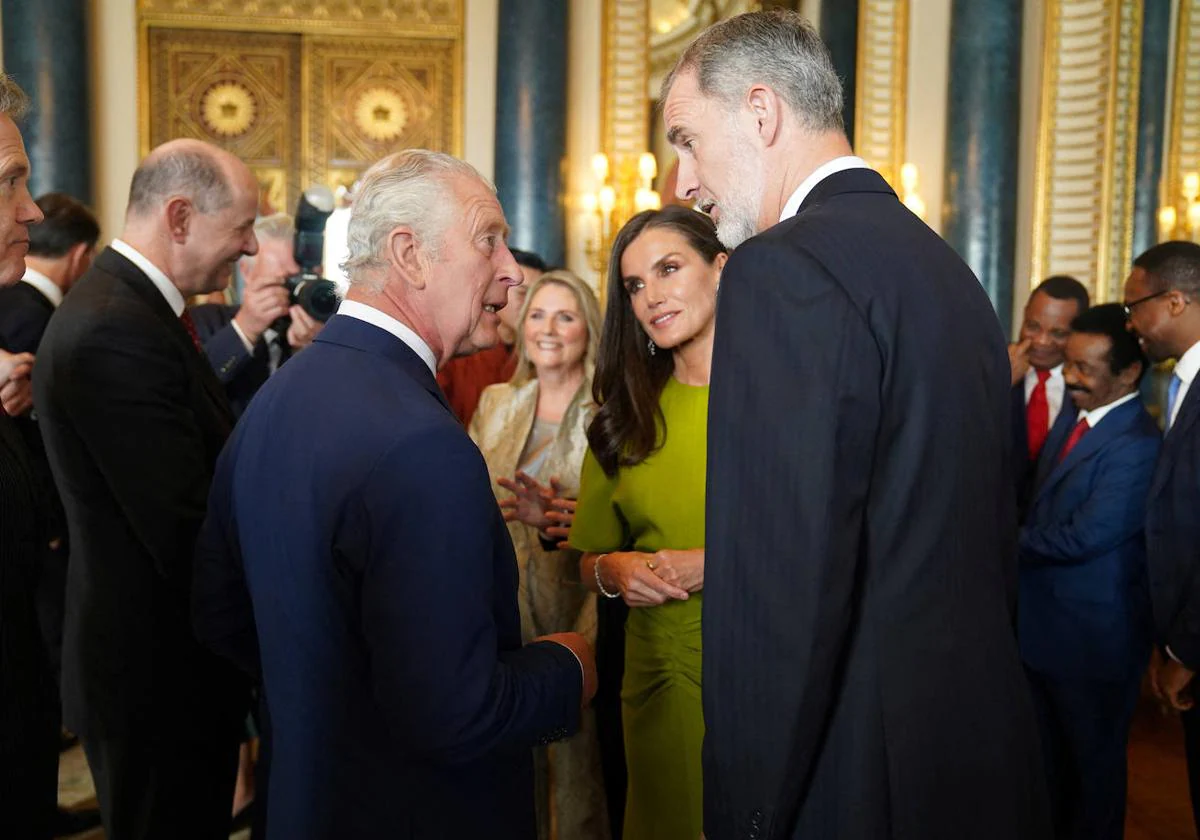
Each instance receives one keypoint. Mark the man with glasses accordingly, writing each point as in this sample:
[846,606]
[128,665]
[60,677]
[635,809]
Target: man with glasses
[1161,303]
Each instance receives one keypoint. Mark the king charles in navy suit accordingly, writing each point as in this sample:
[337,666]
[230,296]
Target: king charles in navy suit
[1084,607]
[354,556]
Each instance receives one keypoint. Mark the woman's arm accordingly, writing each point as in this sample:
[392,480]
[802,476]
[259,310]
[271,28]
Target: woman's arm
[627,574]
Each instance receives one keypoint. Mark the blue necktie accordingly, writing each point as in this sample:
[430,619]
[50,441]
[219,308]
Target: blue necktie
[1172,395]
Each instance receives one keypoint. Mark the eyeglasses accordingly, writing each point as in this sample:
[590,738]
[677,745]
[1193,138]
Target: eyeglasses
[1129,306]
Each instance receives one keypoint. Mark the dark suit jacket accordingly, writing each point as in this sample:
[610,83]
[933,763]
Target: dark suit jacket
[133,421]
[861,673]
[355,549]
[1173,535]
[241,372]
[1025,472]
[1084,605]
[24,314]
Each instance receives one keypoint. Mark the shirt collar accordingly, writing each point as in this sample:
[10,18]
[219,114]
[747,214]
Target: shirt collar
[1188,364]
[1031,374]
[363,312]
[838,164]
[1094,416]
[159,278]
[43,284]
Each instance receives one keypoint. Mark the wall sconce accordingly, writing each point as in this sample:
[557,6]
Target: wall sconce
[618,196]
[1170,226]
[909,181]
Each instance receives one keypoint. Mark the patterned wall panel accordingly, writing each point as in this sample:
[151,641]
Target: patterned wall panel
[409,17]
[367,98]
[238,90]
[882,85]
[1087,144]
[1183,150]
[625,122]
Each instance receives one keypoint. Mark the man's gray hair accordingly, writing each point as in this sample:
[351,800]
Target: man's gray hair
[411,188]
[193,173]
[278,226]
[777,48]
[14,102]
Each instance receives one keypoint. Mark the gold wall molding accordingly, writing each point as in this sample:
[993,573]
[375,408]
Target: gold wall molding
[1183,139]
[625,121]
[881,96]
[1087,144]
[440,18]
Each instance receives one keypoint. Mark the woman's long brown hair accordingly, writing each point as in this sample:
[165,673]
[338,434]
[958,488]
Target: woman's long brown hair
[628,382]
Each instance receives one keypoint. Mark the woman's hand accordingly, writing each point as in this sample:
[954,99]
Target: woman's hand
[562,514]
[684,569]
[531,500]
[630,573]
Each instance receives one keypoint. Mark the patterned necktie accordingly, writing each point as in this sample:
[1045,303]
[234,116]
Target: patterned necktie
[1037,415]
[1081,429]
[1172,396]
[190,326]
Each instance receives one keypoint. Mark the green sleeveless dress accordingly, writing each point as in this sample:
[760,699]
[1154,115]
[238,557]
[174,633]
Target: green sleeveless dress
[657,504]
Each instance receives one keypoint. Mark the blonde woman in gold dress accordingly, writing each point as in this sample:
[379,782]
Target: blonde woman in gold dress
[531,431]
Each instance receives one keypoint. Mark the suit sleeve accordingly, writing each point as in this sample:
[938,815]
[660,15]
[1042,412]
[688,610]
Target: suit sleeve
[21,330]
[227,353]
[1183,631]
[793,417]
[429,592]
[222,611]
[1106,519]
[135,390]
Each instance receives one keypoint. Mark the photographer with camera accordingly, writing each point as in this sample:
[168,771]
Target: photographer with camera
[247,344]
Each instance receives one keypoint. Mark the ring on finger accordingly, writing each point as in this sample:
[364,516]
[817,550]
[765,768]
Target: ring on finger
[651,565]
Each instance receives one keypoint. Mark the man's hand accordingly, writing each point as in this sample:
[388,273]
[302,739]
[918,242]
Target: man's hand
[1175,681]
[1018,359]
[16,382]
[264,301]
[587,657]
[304,328]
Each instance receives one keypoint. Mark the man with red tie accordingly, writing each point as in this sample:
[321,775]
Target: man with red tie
[1039,393]
[1084,622]
[133,419]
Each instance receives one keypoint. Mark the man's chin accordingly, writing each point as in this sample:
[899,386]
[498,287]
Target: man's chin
[481,339]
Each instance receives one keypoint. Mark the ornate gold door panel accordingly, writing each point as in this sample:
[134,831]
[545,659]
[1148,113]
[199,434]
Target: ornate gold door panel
[240,90]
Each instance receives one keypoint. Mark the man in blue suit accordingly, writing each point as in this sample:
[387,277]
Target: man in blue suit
[354,556]
[1084,610]
[1162,300]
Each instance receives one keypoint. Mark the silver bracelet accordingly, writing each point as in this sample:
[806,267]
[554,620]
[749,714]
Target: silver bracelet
[599,584]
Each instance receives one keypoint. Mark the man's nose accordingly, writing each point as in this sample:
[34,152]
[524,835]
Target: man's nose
[508,272]
[687,185]
[251,246]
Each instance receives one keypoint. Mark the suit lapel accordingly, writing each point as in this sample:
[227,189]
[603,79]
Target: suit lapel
[1188,414]
[124,270]
[1048,458]
[1117,423]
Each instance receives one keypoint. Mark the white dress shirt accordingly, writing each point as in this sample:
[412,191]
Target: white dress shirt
[1186,369]
[356,309]
[1056,390]
[157,276]
[1094,416]
[838,164]
[43,284]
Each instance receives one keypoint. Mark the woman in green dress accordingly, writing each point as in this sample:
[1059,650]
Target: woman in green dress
[639,518]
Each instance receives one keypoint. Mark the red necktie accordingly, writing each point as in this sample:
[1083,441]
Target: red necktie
[1081,429]
[1037,415]
[190,326]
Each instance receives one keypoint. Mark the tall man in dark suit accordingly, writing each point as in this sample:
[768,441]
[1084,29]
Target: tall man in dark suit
[1084,622]
[861,674]
[1162,300]
[133,421]
[246,344]
[1039,398]
[364,569]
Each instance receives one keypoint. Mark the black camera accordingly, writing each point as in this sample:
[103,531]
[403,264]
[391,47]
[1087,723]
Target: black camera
[308,289]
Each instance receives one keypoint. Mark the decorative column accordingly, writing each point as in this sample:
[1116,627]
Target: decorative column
[531,123]
[982,135]
[46,51]
[839,30]
[881,109]
[1152,117]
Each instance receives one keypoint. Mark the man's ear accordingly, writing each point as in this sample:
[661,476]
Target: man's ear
[404,254]
[77,258]
[766,107]
[179,219]
[1130,376]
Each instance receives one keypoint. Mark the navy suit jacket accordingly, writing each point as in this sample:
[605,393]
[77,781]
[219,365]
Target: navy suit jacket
[1084,609]
[241,372]
[355,557]
[1173,534]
